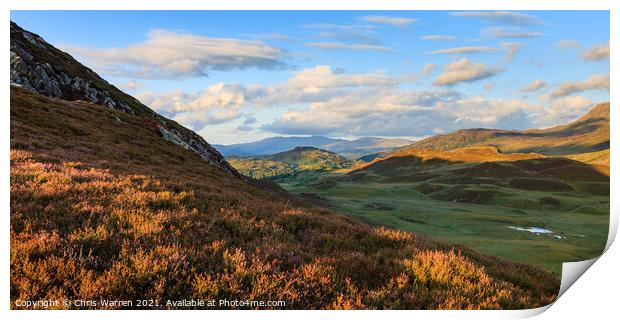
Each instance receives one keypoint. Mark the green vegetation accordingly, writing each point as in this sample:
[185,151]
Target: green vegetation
[284,163]
[474,203]
[103,208]
[258,168]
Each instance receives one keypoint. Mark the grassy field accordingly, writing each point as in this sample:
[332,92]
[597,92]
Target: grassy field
[450,203]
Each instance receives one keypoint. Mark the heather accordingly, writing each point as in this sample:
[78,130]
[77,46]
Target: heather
[103,208]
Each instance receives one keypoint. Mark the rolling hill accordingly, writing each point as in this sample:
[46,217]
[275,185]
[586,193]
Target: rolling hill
[466,186]
[396,159]
[347,148]
[587,134]
[289,162]
[597,159]
[110,200]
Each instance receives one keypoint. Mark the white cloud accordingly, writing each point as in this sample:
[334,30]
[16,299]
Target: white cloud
[428,69]
[173,54]
[511,50]
[563,110]
[323,76]
[595,82]
[534,86]
[401,113]
[345,46]
[221,102]
[501,32]
[464,70]
[198,120]
[323,100]
[216,96]
[438,37]
[347,34]
[489,86]
[566,44]
[129,85]
[598,52]
[393,21]
[321,83]
[502,17]
[460,50]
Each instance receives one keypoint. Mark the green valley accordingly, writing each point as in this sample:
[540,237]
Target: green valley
[536,208]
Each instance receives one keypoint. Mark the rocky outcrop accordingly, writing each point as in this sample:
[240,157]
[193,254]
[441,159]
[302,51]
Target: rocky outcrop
[53,76]
[40,67]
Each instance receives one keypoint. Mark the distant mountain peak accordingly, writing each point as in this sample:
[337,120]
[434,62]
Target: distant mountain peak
[306,148]
[351,149]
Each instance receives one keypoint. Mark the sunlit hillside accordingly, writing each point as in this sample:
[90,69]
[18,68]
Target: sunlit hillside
[111,210]
[586,134]
[288,162]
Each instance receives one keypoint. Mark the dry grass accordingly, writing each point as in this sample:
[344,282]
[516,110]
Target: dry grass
[586,134]
[470,154]
[103,208]
[597,159]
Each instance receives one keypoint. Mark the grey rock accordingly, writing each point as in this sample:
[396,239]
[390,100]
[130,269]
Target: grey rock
[51,72]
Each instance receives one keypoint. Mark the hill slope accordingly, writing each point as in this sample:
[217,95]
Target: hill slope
[597,159]
[471,154]
[40,67]
[587,134]
[103,208]
[288,162]
[148,219]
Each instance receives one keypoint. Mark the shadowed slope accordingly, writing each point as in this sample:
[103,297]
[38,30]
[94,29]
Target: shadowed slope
[597,159]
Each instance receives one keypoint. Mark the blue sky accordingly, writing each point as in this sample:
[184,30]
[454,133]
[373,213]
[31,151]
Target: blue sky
[236,76]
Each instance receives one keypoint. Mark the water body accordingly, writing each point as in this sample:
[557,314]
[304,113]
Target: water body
[536,230]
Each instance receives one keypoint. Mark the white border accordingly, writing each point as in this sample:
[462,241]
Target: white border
[602,285]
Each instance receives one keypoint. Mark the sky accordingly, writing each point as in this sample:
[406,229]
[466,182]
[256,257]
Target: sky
[240,76]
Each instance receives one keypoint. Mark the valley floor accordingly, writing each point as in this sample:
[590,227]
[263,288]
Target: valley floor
[488,218]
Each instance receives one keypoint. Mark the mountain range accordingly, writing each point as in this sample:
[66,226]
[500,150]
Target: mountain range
[347,148]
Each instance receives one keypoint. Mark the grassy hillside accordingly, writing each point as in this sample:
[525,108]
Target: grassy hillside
[259,168]
[587,134]
[103,208]
[476,196]
[288,162]
[598,159]
[403,159]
